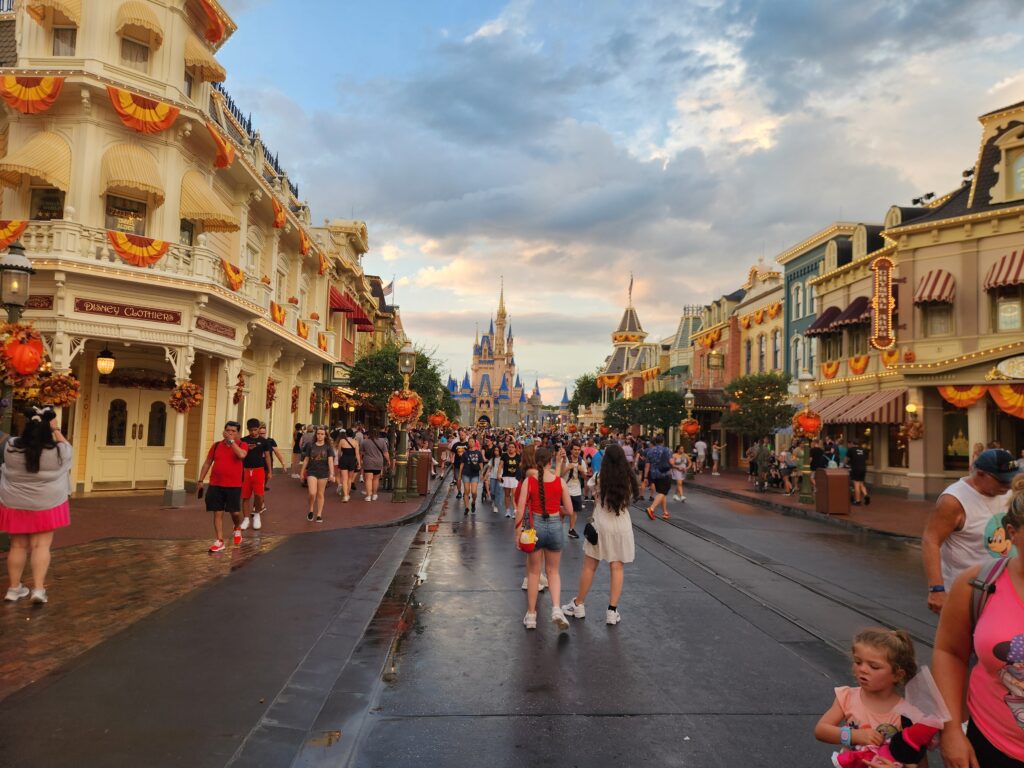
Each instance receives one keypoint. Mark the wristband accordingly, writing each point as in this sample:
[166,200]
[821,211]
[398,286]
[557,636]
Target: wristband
[846,736]
[937,588]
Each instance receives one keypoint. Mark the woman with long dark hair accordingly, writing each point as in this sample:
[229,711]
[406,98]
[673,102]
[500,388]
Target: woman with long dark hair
[34,499]
[616,485]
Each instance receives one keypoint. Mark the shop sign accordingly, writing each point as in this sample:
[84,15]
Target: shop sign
[1012,367]
[39,302]
[337,375]
[127,311]
[212,326]
[883,304]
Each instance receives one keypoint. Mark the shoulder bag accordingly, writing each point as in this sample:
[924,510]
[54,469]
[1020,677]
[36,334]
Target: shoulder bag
[527,541]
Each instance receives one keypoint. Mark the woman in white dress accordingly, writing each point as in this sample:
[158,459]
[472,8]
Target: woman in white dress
[616,485]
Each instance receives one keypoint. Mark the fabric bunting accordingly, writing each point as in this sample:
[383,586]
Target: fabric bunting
[858,364]
[1009,397]
[829,369]
[323,263]
[759,316]
[302,329]
[745,321]
[962,396]
[11,231]
[215,27]
[142,114]
[304,243]
[279,217]
[137,250]
[225,151]
[234,275]
[890,357]
[30,95]
[277,313]
[321,341]
[774,310]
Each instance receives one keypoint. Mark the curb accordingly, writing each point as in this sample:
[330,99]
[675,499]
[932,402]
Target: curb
[421,511]
[807,514]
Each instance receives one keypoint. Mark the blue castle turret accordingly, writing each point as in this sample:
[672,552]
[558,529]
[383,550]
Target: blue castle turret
[565,396]
[503,389]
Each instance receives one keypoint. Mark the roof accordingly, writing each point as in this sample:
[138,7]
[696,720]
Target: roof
[504,384]
[857,312]
[617,361]
[465,381]
[565,396]
[736,295]
[824,322]
[522,396]
[518,384]
[485,384]
[629,323]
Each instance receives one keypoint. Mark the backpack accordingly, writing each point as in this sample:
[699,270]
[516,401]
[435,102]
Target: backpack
[984,585]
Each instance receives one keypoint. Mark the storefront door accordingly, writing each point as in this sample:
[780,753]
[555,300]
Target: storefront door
[132,439]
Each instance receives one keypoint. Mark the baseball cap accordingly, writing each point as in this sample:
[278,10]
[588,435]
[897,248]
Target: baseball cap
[999,463]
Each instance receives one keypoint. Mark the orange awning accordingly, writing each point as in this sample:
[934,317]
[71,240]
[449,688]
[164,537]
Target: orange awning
[137,21]
[61,12]
[200,203]
[46,156]
[128,169]
[199,59]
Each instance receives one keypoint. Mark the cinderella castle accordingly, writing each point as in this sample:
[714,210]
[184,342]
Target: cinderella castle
[491,393]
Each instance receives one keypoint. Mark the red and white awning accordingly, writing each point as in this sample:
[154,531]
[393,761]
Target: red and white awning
[937,286]
[1009,270]
[884,407]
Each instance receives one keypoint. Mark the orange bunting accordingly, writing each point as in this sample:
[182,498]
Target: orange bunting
[302,329]
[137,250]
[225,151]
[215,27]
[323,263]
[759,316]
[277,313]
[829,369]
[1009,397]
[11,231]
[745,322]
[321,341]
[858,364]
[30,95]
[304,243]
[234,275]
[962,396]
[890,357]
[279,217]
[142,114]
[774,310]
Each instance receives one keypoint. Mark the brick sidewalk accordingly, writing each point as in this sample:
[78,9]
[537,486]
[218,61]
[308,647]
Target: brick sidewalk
[887,513]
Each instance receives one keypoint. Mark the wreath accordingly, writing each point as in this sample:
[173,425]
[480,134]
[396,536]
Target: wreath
[185,397]
[271,392]
[239,389]
[404,406]
[58,389]
[312,402]
[914,430]
[295,399]
[22,354]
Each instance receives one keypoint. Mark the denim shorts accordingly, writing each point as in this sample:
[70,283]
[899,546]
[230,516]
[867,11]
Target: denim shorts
[550,534]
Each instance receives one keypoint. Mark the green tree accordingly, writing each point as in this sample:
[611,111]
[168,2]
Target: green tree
[376,376]
[759,404]
[585,392]
[620,414]
[662,410]
[449,405]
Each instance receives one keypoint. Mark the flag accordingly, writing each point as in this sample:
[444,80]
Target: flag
[631,288]
[389,288]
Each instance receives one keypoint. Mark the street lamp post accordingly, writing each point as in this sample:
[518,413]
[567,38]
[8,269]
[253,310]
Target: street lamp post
[407,367]
[806,492]
[688,401]
[15,275]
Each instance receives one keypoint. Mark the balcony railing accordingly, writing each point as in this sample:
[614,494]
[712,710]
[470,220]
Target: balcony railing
[6,6]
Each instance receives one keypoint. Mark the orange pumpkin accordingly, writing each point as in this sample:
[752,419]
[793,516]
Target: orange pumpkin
[437,419]
[808,422]
[690,427]
[909,356]
[25,356]
[571,429]
[401,406]
[605,430]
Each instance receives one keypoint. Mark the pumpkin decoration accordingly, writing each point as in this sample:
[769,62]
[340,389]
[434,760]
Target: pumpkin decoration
[571,429]
[404,406]
[806,423]
[186,396]
[312,402]
[437,419]
[314,315]
[605,430]
[58,389]
[690,427]
[293,299]
[909,356]
[271,392]
[22,354]
[265,279]
[295,399]
[914,430]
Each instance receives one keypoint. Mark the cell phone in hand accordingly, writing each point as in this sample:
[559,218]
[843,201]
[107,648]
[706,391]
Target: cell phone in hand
[201,491]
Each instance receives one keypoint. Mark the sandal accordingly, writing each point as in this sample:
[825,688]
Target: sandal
[650,512]
[666,516]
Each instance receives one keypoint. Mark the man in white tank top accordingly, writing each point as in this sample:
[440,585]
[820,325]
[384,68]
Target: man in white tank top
[960,530]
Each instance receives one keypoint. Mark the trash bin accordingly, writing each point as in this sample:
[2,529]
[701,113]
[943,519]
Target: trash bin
[423,473]
[833,491]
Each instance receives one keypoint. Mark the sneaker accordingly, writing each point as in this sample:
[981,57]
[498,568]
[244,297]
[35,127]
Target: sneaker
[867,501]
[309,515]
[465,512]
[39,596]
[558,619]
[245,523]
[675,497]
[319,519]
[508,514]
[573,534]
[473,508]
[237,538]
[345,499]
[530,620]
[374,497]
[217,546]
[458,495]
[716,474]
[16,593]
[543,584]
[612,617]
[257,521]
[682,498]
[573,608]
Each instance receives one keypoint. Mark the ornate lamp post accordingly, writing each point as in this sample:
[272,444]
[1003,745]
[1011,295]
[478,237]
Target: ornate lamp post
[809,424]
[15,275]
[407,367]
[690,427]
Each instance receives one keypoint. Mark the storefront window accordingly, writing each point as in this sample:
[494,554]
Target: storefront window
[897,446]
[47,204]
[864,434]
[156,434]
[956,449]
[124,215]
[117,422]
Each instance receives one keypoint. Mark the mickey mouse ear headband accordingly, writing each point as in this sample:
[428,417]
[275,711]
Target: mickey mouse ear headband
[45,414]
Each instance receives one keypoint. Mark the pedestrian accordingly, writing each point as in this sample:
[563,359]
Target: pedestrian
[546,499]
[646,486]
[716,458]
[275,451]
[857,461]
[679,464]
[255,470]
[751,456]
[528,468]
[985,621]
[297,434]
[349,463]
[472,463]
[658,468]
[494,477]
[573,473]
[818,461]
[509,476]
[458,450]
[375,455]
[702,453]
[956,535]
[34,499]
[763,461]
[317,470]
[224,465]
[883,662]
[787,467]
[616,486]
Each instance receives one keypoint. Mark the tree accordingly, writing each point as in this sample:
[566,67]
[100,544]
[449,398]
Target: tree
[620,414]
[758,404]
[585,392]
[450,406]
[660,409]
[376,376]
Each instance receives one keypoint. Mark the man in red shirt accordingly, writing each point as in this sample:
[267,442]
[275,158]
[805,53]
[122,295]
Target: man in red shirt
[225,491]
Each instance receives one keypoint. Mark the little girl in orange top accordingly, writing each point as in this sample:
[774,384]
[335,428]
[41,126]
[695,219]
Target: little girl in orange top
[875,711]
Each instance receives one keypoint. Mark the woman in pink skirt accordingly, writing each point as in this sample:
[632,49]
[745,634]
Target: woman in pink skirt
[34,499]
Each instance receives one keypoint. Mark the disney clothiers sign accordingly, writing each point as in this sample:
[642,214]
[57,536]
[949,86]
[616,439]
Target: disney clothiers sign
[128,311]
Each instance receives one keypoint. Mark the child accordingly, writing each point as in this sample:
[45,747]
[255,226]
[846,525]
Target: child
[871,714]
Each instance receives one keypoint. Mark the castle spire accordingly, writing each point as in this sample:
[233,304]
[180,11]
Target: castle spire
[477,342]
[501,300]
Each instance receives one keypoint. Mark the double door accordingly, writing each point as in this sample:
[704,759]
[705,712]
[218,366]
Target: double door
[132,439]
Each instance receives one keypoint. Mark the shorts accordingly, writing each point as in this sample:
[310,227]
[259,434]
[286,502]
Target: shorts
[662,484]
[577,503]
[468,478]
[550,534]
[372,471]
[222,499]
[254,480]
[509,482]
[858,477]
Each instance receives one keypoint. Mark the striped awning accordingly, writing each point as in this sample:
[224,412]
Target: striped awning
[128,169]
[937,286]
[824,322]
[829,408]
[336,300]
[199,59]
[200,203]
[858,312]
[1009,270]
[64,11]
[46,156]
[137,21]
[884,407]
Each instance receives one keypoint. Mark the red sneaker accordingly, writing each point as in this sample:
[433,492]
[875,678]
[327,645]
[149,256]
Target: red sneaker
[237,538]
[218,546]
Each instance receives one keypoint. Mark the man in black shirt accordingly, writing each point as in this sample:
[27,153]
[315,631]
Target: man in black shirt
[255,470]
[458,450]
[857,461]
[509,476]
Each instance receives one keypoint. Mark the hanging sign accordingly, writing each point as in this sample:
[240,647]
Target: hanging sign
[883,304]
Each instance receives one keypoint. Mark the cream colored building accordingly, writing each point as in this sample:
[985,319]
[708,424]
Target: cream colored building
[78,171]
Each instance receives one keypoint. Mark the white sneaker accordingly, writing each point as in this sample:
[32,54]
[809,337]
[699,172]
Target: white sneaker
[682,498]
[39,596]
[530,620]
[374,497]
[257,522]
[543,584]
[558,619]
[508,514]
[612,617]
[245,523]
[572,608]
[16,593]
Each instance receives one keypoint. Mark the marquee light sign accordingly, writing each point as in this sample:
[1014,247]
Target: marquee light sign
[883,304]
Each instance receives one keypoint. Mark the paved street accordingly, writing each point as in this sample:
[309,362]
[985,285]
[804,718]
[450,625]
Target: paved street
[403,646]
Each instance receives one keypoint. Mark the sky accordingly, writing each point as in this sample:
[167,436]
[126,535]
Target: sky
[564,144]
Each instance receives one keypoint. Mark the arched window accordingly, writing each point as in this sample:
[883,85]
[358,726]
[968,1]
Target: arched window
[1018,174]
[798,302]
[812,354]
[748,351]
[762,352]
[776,349]
[810,300]
[796,362]
[117,422]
